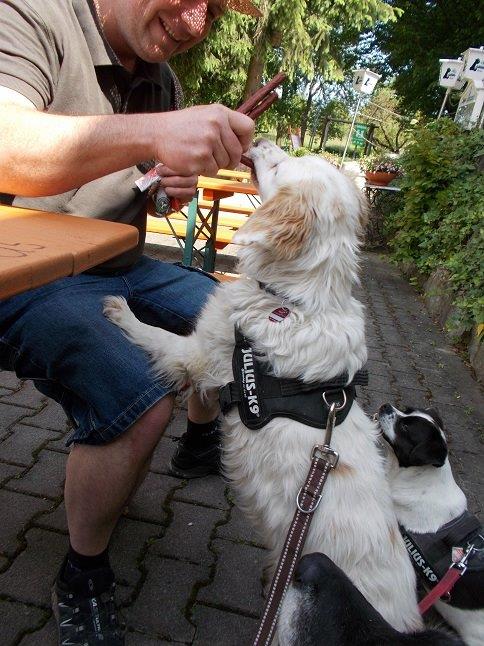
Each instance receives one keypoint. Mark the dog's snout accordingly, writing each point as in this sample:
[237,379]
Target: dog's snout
[386,409]
[311,569]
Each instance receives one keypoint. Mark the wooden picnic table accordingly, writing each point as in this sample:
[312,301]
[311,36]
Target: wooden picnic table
[37,247]
[203,225]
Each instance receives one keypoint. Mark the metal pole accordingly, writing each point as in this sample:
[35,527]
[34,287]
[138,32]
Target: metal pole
[351,130]
[443,103]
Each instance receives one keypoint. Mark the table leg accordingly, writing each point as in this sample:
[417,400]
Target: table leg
[190,233]
[210,252]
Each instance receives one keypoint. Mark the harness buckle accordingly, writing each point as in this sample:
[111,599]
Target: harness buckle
[326,453]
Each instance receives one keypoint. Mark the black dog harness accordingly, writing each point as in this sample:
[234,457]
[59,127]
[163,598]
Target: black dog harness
[431,556]
[260,396]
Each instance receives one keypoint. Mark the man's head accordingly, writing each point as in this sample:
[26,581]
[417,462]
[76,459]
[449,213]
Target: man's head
[156,30]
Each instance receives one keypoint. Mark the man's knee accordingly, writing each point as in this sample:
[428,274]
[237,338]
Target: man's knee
[141,438]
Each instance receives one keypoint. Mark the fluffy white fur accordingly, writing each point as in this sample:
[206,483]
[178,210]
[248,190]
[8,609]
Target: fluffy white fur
[302,242]
[425,499]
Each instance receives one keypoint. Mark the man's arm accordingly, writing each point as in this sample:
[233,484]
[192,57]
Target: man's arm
[46,154]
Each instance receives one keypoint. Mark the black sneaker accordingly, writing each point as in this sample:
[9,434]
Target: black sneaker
[195,458]
[84,616]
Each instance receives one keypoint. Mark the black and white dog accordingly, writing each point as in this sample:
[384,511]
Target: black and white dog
[324,608]
[432,513]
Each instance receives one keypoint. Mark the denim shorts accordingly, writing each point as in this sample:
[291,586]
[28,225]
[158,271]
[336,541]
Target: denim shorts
[57,336]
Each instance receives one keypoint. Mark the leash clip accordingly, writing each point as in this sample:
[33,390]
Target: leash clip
[461,564]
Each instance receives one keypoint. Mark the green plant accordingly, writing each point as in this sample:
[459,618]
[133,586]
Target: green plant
[441,221]
[375,163]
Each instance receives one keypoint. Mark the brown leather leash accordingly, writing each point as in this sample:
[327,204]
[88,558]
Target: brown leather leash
[323,460]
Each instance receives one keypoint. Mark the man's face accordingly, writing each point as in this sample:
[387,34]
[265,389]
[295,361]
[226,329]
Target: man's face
[156,30]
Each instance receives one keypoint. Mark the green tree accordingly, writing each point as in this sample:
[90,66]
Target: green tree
[393,128]
[303,37]
[426,31]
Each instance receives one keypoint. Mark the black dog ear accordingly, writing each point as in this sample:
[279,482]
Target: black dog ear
[428,453]
[433,412]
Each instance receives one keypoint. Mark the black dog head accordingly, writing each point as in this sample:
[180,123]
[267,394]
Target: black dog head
[416,435]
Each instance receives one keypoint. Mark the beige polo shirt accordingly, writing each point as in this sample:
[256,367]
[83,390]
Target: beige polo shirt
[53,52]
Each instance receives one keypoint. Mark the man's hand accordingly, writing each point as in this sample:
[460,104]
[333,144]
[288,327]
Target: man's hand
[200,140]
[178,186]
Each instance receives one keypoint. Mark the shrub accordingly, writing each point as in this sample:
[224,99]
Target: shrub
[441,221]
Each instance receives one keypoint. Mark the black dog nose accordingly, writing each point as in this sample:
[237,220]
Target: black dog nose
[312,569]
[386,409]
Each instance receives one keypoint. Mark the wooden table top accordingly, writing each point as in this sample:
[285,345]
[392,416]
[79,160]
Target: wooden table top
[37,247]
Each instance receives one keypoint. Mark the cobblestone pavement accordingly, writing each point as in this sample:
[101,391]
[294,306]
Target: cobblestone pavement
[187,565]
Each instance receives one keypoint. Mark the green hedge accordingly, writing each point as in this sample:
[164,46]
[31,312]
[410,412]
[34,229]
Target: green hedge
[441,221]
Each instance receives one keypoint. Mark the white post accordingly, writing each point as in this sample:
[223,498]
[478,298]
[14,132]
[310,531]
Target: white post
[351,130]
[444,102]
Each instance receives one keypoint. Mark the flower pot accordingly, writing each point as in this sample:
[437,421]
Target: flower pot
[379,178]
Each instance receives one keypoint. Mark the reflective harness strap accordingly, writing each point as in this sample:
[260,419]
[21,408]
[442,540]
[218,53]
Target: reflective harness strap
[260,396]
[324,459]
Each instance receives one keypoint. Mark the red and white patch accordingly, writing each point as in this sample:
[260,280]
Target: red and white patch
[279,314]
[457,554]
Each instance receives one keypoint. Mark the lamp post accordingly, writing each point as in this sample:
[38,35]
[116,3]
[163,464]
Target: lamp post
[364,81]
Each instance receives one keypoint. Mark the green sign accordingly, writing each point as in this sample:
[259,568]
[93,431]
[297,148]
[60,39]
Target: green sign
[359,134]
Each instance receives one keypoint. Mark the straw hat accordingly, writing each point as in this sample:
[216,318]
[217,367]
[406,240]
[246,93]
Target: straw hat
[244,6]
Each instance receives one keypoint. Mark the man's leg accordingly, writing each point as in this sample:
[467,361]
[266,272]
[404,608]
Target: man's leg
[172,297]
[100,479]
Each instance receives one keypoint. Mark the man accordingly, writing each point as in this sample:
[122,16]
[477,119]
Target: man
[86,97]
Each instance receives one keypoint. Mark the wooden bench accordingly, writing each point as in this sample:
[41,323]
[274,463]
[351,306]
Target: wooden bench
[160,225]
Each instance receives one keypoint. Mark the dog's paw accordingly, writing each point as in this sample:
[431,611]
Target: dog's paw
[115,308]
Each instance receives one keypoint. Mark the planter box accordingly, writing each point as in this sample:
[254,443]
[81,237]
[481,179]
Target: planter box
[380,179]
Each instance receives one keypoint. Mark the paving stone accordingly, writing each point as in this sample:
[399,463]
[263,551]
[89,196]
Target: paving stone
[47,636]
[9,380]
[137,639]
[168,586]
[18,618]
[229,589]
[20,446]
[30,577]
[150,498]
[178,425]
[55,520]
[51,416]
[45,478]
[413,398]
[189,533]
[238,529]
[218,628]
[60,444]
[28,396]
[128,544]
[208,491]
[9,415]
[161,457]
[17,512]
[9,471]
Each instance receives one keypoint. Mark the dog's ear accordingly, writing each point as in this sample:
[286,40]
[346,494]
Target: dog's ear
[433,412]
[429,453]
[283,224]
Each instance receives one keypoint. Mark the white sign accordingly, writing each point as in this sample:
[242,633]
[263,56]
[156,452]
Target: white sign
[364,81]
[470,109]
[450,70]
[473,64]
